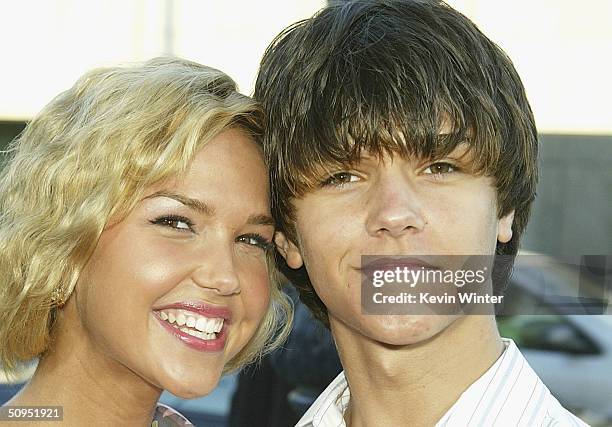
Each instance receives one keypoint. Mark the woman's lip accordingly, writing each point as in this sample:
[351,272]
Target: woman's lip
[199,344]
[203,309]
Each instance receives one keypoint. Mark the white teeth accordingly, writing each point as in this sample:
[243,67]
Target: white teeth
[201,324]
[197,326]
[200,335]
[197,334]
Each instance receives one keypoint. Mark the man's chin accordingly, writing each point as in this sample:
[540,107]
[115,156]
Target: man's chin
[404,330]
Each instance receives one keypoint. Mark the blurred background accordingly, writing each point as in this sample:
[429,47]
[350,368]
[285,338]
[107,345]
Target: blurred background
[561,48]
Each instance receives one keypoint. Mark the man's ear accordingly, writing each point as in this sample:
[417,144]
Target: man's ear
[288,250]
[504,228]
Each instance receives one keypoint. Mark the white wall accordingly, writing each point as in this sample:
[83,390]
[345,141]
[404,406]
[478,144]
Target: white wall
[48,44]
[563,51]
[561,48]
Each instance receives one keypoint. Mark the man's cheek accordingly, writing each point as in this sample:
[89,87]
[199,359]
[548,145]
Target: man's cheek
[319,251]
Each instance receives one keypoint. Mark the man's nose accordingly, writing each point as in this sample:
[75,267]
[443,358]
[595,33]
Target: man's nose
[395,208]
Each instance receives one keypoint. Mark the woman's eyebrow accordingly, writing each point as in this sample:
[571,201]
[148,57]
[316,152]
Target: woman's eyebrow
[203,207]
[195,204]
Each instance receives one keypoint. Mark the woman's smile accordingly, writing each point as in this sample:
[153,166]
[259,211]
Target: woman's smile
[198,325]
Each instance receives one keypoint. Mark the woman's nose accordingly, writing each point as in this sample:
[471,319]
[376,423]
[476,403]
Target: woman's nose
[216,271]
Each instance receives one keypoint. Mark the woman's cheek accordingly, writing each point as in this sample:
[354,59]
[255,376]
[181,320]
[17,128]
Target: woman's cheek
[263,289]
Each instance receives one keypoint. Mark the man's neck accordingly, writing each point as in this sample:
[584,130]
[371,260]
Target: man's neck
[392,384]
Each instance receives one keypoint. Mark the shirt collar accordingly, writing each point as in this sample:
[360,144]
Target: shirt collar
[328,409]
[509,390]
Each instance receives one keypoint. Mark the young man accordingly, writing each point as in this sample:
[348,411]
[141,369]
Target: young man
[396,128]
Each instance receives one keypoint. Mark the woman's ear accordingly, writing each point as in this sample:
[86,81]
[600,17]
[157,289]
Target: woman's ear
[504,228]
[288,250]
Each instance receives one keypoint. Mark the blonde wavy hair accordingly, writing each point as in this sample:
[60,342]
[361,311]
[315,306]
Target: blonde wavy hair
[86,158]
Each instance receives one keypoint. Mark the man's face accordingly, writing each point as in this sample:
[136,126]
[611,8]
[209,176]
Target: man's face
[396,207]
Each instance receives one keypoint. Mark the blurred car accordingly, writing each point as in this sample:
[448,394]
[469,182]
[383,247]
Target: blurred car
[11,384]
[571,352]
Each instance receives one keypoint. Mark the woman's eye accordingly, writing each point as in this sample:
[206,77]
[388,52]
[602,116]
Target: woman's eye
[340,178]
[173,221]
[256,240]
[440,168]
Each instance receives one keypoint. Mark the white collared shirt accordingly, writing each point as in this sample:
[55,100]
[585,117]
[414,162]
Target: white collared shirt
[509,394]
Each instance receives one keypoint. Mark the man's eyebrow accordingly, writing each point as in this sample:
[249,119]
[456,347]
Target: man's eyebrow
[200,206]
[194,204]
[261,220]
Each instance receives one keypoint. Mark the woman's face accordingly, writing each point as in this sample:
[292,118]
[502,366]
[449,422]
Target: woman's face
[177,288]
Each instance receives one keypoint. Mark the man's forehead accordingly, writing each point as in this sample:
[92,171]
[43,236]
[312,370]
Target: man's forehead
[462,151]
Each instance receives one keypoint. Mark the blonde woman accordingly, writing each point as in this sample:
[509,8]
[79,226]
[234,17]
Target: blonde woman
[135,232]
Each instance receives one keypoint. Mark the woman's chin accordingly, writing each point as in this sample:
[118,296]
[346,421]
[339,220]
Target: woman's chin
[193,387]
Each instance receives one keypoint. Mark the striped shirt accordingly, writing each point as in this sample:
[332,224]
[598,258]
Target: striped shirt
[509,394]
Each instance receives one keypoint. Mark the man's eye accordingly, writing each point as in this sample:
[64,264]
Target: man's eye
[174,221]
[440,168]
[256,240]
[339,179]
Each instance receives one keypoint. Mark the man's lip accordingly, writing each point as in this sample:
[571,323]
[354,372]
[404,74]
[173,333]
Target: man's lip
[391,263]
[201,308]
